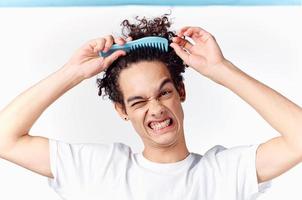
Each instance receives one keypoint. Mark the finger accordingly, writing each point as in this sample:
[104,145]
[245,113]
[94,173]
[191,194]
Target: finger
[197,34]
[195,30]
[128,39]
[119,41]
[97,44]
[109,42]
[110,59]
[182,42]
[182,30]
[180,52]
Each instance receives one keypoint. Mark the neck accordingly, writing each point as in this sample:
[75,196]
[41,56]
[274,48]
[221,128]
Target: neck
[170,154]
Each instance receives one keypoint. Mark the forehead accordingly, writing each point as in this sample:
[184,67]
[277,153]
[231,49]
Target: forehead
[142,78]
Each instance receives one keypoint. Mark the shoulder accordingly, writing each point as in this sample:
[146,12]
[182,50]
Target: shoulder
[121,150]
[233,155]
[60,146]
[218,150]
[121,147]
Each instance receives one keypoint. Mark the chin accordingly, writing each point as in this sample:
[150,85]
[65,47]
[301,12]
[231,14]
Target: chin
[166,139]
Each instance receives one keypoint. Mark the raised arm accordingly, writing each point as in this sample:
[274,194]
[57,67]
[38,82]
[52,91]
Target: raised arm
[277,155]
[17,118]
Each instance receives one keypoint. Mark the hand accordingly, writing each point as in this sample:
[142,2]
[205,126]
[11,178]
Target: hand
[86,60]
[204,56]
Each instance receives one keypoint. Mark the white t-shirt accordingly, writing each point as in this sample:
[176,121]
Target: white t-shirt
[114,172]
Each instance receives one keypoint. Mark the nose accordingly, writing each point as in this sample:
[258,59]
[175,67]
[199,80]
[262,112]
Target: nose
[156,109]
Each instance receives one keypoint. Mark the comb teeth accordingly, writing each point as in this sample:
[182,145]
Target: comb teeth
[159,43]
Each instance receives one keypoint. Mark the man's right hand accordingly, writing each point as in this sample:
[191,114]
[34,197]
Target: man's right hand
[17,118]
[86,60]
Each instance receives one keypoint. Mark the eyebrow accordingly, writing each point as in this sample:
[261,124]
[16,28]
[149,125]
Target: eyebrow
[164,82]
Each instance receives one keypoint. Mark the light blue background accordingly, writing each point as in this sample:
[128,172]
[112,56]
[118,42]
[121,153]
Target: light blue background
[21,3]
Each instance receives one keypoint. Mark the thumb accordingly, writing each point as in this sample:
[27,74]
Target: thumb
[110,59]
[180,52]
[99,61]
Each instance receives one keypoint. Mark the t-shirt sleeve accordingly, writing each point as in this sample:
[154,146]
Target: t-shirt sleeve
[75,165]
[237,167]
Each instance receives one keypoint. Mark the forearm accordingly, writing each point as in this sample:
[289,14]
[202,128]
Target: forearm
[17,118]
[282,114]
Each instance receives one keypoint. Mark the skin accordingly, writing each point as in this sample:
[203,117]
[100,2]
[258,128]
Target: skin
[156,104]
[273,158]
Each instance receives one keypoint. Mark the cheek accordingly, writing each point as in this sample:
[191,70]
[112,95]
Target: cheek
[176,108]
[138,119]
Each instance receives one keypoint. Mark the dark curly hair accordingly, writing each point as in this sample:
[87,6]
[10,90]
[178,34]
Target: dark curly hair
[154,27]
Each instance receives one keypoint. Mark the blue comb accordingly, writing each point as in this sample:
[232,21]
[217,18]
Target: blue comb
[150,41]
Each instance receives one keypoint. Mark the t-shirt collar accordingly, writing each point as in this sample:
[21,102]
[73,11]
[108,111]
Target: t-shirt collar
[162,167]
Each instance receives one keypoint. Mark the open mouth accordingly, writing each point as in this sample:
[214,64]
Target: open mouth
[157,126]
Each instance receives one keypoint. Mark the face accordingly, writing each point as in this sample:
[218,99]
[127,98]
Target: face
[152,104]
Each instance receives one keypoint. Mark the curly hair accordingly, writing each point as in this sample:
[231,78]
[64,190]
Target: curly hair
[154,27]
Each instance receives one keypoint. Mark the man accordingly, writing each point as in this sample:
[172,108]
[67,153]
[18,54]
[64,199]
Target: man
[151,100]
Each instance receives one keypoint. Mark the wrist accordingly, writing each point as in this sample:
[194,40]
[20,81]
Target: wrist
[223,72]
[72,72]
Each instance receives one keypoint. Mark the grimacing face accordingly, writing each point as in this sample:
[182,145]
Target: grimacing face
[152,103]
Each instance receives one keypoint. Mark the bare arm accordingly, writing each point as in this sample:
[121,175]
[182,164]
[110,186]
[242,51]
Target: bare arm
[275,156]
[279,154]
[17,118]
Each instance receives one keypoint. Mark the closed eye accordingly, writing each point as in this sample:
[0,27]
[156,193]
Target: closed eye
[162,94]
[137,103]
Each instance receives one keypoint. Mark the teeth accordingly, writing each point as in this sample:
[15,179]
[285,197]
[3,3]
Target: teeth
[160,125]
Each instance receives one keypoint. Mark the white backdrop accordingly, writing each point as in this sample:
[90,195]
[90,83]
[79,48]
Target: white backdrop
[265,42]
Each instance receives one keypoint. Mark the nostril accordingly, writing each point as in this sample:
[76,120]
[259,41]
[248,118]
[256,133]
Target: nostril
[157,115]
[156,110]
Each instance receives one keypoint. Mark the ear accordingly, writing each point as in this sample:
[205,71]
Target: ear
[182,92]
[121,111]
